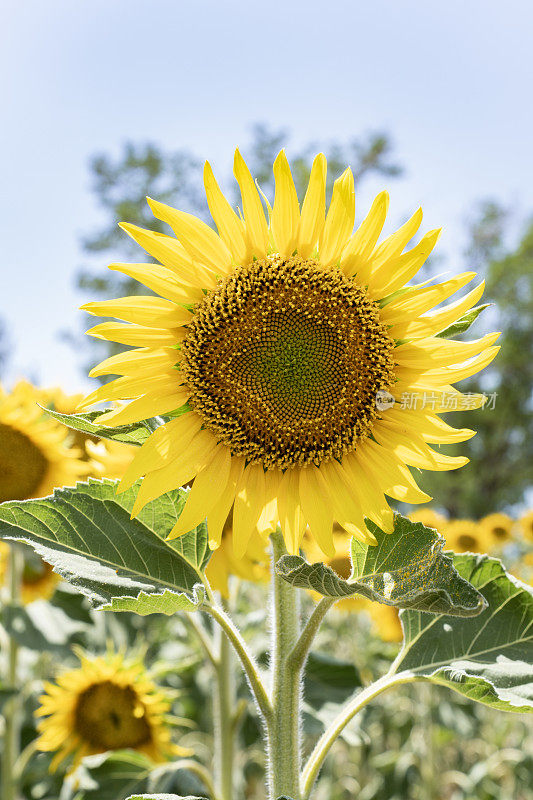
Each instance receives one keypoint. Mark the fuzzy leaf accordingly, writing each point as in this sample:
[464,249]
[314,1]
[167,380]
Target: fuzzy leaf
[163,797]
[488,659]
[136,433]
[86,533]
[463,323]
[406,569]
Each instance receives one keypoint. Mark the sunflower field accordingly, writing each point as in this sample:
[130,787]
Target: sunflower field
[226,581]
[266,401]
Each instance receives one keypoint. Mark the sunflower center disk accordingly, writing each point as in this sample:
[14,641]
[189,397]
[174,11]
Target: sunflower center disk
[284,360]
[22,465]
[110,717]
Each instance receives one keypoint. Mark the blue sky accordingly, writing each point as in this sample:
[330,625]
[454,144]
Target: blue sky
[450,81]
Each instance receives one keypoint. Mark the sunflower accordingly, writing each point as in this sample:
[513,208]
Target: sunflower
[526,525]
[253,566]
[498,528]
[466,536]
[301,370]
[34,452]
[106,458]
[429,518]
[107,703]
[38,580]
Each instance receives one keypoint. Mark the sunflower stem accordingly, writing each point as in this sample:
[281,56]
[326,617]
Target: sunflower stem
[284,752]
[223,719]
[12,707]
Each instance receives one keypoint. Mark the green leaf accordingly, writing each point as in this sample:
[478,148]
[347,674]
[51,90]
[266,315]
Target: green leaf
[488,659]
[42,627]
[406,569]
[463,323]
[328,680]
[136,433]
[87,535]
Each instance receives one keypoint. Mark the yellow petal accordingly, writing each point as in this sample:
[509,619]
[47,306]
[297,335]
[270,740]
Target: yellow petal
[162,281]
[256,225]
[151,405]
[291,518]
[437,377]
[160,447]
[286,212]
[313,208]
[217,516]
[417,301]
[432,352]
[143,310]
[369,493]
[181,469]
[127,387]
[171,253]
[431,427]
[199,240]
[230,228]
[269,517]
[339,221]
[356,256]
[396,272]
[136,335]
[346,507]
[131,361]
[249,504]
[414,453]
[205,492]
[386,469]
[316,507]
[435,323]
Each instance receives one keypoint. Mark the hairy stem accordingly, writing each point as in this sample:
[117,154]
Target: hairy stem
[302,647]
[329,736]
[223,718]
[12,707]
[248,662]
[284,752]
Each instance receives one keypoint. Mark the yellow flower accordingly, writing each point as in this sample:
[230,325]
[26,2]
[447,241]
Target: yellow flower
[34,452]
[498,528]
[526,525]
[386,621]
[429,518]
[253,566]
[106,458]
[465,536]
[280,345]
[107,703]
[38,581]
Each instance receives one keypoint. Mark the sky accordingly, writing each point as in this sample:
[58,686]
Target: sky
[450,82]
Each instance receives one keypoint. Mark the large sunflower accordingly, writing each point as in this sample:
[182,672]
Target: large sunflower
[277,347]
[34,452]
[107,703]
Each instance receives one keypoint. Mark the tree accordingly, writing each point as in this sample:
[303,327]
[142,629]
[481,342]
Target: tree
[122,184]
[501,454]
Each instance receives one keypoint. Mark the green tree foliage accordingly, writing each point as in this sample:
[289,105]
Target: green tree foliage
[121,185]
[501,468]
